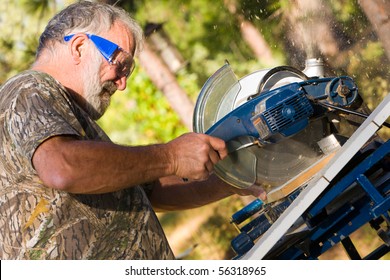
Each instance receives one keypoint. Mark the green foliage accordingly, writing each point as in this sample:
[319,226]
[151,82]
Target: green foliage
[205,33]
[141,114]
[20,27]
[38,7]
[347,12]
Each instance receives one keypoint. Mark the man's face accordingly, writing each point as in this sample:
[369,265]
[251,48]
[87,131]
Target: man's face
[101,78]
[97,93]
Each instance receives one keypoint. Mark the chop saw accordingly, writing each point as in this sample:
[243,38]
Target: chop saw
[305,139]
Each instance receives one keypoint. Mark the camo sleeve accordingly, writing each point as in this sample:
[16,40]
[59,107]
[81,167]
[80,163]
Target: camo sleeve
[39,111]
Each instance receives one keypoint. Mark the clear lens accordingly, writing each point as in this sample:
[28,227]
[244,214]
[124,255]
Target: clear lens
[124,63]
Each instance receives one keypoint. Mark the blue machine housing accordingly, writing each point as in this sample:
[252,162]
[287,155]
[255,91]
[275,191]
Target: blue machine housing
[282,112]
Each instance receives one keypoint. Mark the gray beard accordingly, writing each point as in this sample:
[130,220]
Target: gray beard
[97,95]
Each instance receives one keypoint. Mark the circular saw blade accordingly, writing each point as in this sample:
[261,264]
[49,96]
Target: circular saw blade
[270,165]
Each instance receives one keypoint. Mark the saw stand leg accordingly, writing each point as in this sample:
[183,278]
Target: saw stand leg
[384,234]
[350,249]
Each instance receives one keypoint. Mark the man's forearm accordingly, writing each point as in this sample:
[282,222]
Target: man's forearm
[171,193]
[80,166]
[97,167]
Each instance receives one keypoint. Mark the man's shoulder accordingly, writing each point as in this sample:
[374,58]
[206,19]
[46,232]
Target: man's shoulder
[30,85]
[28,77]
[29,81]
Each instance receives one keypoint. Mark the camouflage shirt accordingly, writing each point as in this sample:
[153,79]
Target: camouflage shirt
[38,222]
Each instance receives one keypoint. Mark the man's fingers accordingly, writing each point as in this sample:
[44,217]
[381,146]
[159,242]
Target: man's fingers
[259,192]
[194,155]
[219,146]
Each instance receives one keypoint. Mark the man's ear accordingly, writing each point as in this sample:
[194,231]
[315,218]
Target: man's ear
[77,46]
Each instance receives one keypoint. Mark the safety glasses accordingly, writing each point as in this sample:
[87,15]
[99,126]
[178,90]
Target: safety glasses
[115,55]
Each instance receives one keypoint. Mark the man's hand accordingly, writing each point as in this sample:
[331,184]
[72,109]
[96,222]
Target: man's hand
[194,155]
[253,190]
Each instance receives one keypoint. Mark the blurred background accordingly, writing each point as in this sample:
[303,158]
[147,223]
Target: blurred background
[187,41]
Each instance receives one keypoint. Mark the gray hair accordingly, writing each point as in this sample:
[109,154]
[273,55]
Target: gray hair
[86,16]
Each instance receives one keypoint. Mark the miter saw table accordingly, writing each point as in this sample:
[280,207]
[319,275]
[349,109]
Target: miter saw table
[311,142]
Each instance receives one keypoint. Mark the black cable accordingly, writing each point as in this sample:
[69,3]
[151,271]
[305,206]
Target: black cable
[325,104]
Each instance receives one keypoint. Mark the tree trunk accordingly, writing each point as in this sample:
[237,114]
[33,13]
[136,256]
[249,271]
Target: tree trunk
[378,13]
[252,36]
[165,81]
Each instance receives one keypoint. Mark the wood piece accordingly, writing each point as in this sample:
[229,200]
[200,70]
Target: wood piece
[299,180]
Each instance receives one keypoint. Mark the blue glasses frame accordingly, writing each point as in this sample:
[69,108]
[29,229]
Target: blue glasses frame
[110,51]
